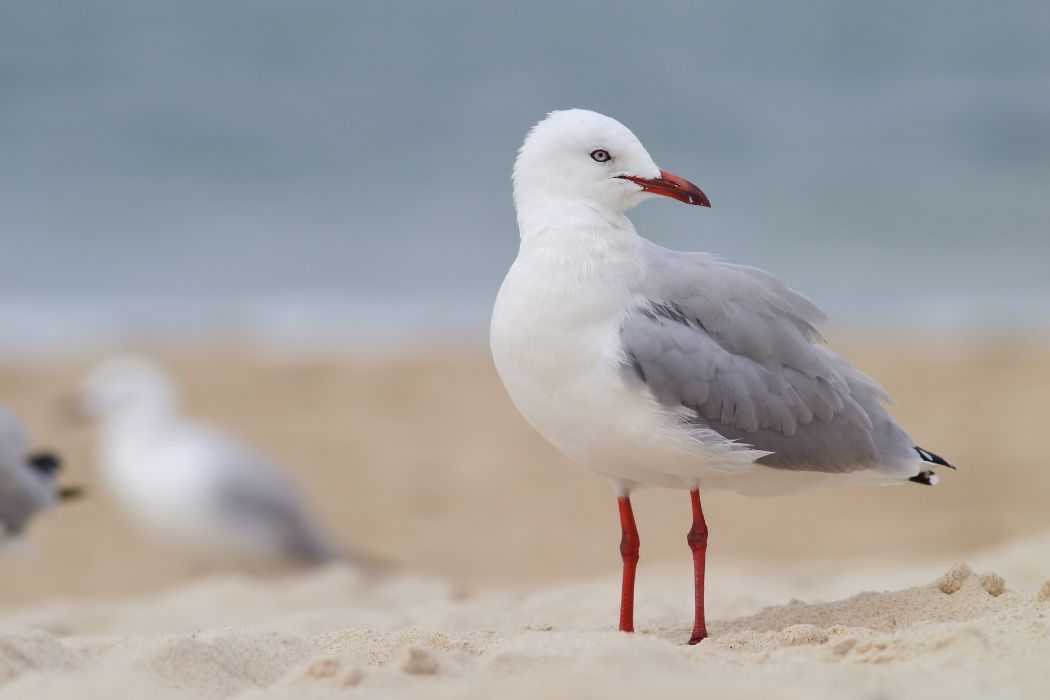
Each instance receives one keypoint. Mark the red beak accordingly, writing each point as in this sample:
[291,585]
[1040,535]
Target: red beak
[672,186]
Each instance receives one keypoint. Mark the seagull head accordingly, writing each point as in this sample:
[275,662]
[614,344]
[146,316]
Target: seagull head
[580,155]
[125,385]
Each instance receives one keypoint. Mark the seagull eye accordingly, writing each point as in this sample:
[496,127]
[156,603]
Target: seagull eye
[601,155]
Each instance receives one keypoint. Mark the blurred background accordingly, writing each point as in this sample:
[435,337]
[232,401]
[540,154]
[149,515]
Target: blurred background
[305,210]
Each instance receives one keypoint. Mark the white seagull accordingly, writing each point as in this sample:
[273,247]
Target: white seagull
[655,367]
[28,482]
[189,485]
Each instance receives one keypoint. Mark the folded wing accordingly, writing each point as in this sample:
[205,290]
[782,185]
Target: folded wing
[740,350]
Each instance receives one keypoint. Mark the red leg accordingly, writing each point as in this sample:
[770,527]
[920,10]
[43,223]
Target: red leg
[697,539]
[629,551]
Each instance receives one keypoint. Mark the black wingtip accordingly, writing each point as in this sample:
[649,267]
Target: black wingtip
[45,462]
[927,478]
[930,457]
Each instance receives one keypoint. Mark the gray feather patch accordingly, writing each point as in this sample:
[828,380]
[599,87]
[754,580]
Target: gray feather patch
[740,349]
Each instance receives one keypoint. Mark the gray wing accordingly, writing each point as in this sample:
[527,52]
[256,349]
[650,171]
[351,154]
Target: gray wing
[254,495]
[740,349]
[23,492]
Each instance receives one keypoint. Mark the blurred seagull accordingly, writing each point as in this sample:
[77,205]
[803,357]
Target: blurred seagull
[27,479]
[661,368]
[189,485]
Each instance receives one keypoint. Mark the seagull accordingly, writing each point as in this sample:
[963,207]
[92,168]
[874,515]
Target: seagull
[655,367]
[28,483]
[189,485]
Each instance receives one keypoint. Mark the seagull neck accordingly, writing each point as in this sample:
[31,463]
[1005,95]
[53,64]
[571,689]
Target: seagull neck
[579,251]
[139,419]
[568,218]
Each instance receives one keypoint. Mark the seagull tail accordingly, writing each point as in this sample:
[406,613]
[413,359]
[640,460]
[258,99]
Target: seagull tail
[930,457]
[927,477]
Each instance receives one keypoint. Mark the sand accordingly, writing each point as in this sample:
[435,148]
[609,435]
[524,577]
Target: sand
[504,563]
[962,634]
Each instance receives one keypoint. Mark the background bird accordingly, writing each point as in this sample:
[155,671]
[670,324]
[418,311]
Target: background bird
[189,485]
[28,480]
[661,368]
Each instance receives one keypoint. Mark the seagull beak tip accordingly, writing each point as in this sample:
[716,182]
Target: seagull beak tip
[670,185]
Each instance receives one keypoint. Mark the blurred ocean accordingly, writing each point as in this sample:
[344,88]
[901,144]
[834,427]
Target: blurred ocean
[337,170]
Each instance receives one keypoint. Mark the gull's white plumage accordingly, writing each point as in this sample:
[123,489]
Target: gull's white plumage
[654,367]
[187,484]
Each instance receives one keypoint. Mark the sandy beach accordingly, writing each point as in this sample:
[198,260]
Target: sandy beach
[503,562]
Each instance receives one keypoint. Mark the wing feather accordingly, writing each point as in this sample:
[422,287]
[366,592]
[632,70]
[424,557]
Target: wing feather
[741,350]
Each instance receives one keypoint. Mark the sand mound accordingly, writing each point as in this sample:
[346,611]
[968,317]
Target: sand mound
[321,634]
[25,650]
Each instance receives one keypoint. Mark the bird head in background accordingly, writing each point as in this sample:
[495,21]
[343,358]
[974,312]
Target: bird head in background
[579,155]
[125,385]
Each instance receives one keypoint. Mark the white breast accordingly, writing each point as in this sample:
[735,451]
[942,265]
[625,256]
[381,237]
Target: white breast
[555,339]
